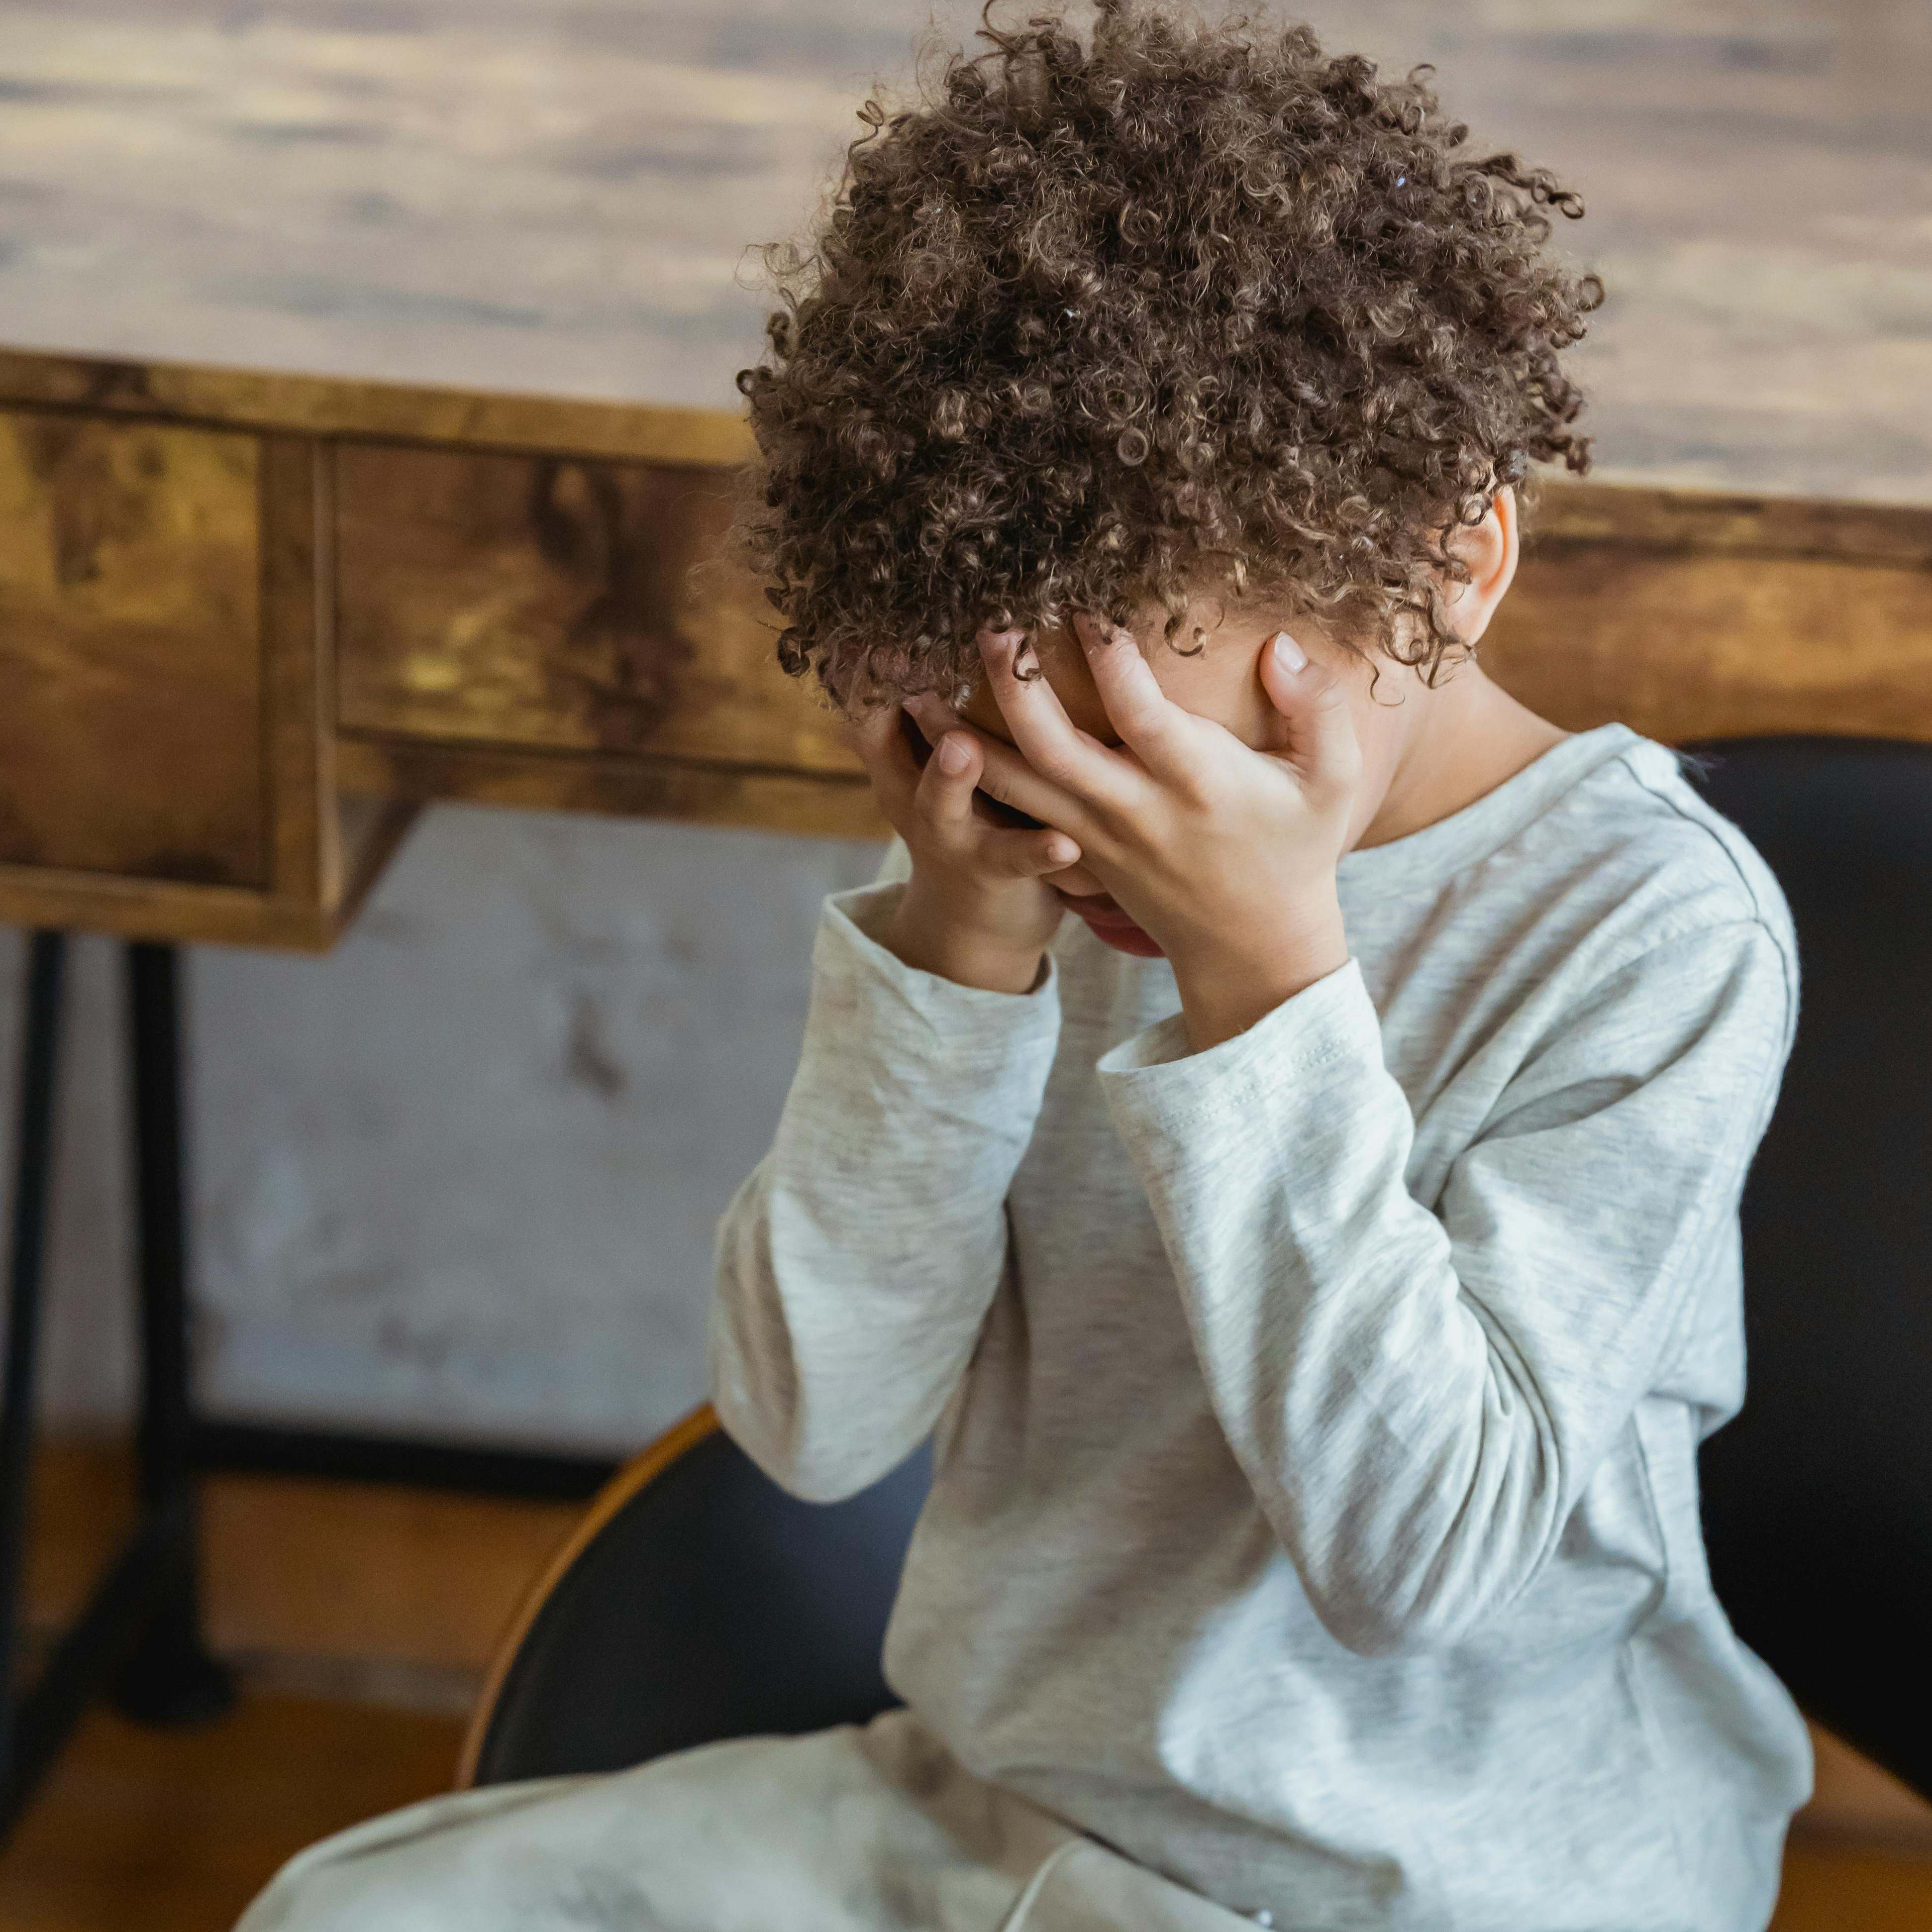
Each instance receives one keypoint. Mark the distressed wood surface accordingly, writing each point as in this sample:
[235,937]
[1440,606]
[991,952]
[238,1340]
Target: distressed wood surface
[297,540]
[814,805]
[131,734]
[1683,644]
[35,896]
[321,406]
[553,603]
[1657,517]
[226,651]
[166,685]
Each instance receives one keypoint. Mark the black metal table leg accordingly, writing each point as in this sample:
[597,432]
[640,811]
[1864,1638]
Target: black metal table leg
[169,1677]
[140,1630]
[141,1618]
[33,1167]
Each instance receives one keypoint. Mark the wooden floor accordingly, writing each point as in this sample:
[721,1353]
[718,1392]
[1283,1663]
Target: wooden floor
[392,1600]
[142,1830]
[1842,1888]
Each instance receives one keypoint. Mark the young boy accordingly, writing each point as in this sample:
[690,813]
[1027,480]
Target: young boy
[1317,1258]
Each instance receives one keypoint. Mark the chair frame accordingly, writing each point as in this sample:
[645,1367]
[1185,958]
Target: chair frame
[638,1473]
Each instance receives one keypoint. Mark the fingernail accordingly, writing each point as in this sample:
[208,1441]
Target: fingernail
[1290,654]
[1062,851]
[952,754]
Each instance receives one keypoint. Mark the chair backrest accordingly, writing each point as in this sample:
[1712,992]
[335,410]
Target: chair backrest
[705,1603]
[701,1602]
[1818,1499]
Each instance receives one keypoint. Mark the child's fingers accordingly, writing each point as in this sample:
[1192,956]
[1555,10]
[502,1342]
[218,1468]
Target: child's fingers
[1151,725]
[1052,746]
[877,736]
[945,800]
[933,716]
[945,795]
[1028,855]
[937,794]
[1313,702]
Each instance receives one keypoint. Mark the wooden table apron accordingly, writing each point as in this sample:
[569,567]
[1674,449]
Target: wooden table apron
[250,623]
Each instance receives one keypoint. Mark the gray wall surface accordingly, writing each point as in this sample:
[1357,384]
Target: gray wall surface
[459,1176]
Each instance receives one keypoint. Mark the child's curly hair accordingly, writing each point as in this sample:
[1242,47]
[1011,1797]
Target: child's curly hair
[1095,322]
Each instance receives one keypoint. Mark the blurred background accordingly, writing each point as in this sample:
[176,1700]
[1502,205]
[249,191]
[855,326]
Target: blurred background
[457,1178]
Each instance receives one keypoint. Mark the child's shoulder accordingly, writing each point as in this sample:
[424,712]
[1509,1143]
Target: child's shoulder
[1637,821]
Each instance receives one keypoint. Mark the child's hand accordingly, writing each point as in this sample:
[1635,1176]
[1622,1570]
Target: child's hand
[976,909]
[1225,855]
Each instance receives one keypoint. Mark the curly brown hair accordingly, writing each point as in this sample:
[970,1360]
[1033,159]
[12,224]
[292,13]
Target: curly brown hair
[1095,322]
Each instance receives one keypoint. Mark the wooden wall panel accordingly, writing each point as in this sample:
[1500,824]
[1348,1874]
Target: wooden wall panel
[547,604]
[130,687]
[1684,645]
[422,769]
[334,405]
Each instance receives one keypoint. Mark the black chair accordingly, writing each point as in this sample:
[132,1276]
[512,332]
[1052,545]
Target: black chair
[1818,1499]
[700,1602]
[697,1601]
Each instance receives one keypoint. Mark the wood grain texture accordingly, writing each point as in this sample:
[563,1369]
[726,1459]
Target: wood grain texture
[559,604]
[216,639]
[298,600]
[151,1830]
[1756,172]
[272,400]
[1655,517]
[31,895]
[814,807]
[1684,644]
[369,1573]
[131,734]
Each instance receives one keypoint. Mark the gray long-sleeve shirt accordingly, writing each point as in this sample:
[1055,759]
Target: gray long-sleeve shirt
[1315,1511]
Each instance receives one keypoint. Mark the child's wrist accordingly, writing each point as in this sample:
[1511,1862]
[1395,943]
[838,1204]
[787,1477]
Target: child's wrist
[930,941]
[1224,992]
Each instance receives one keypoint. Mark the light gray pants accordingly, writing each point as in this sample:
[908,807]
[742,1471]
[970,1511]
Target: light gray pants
[876,1829]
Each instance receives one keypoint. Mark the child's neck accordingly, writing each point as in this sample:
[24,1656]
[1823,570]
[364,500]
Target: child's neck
[1468,737]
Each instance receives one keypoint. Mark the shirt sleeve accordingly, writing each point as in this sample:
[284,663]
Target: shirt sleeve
[855,1263]
[1418,1396]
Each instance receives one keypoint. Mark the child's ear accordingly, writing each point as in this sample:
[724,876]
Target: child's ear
[1490,549]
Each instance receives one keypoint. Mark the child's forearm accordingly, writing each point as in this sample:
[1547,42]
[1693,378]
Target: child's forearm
[856,1265]
[1418,1397]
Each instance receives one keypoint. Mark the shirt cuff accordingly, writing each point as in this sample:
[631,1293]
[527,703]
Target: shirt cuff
[1154,1085]
[848,952]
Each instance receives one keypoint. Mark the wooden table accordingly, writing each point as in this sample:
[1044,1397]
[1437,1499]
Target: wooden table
[250,623]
